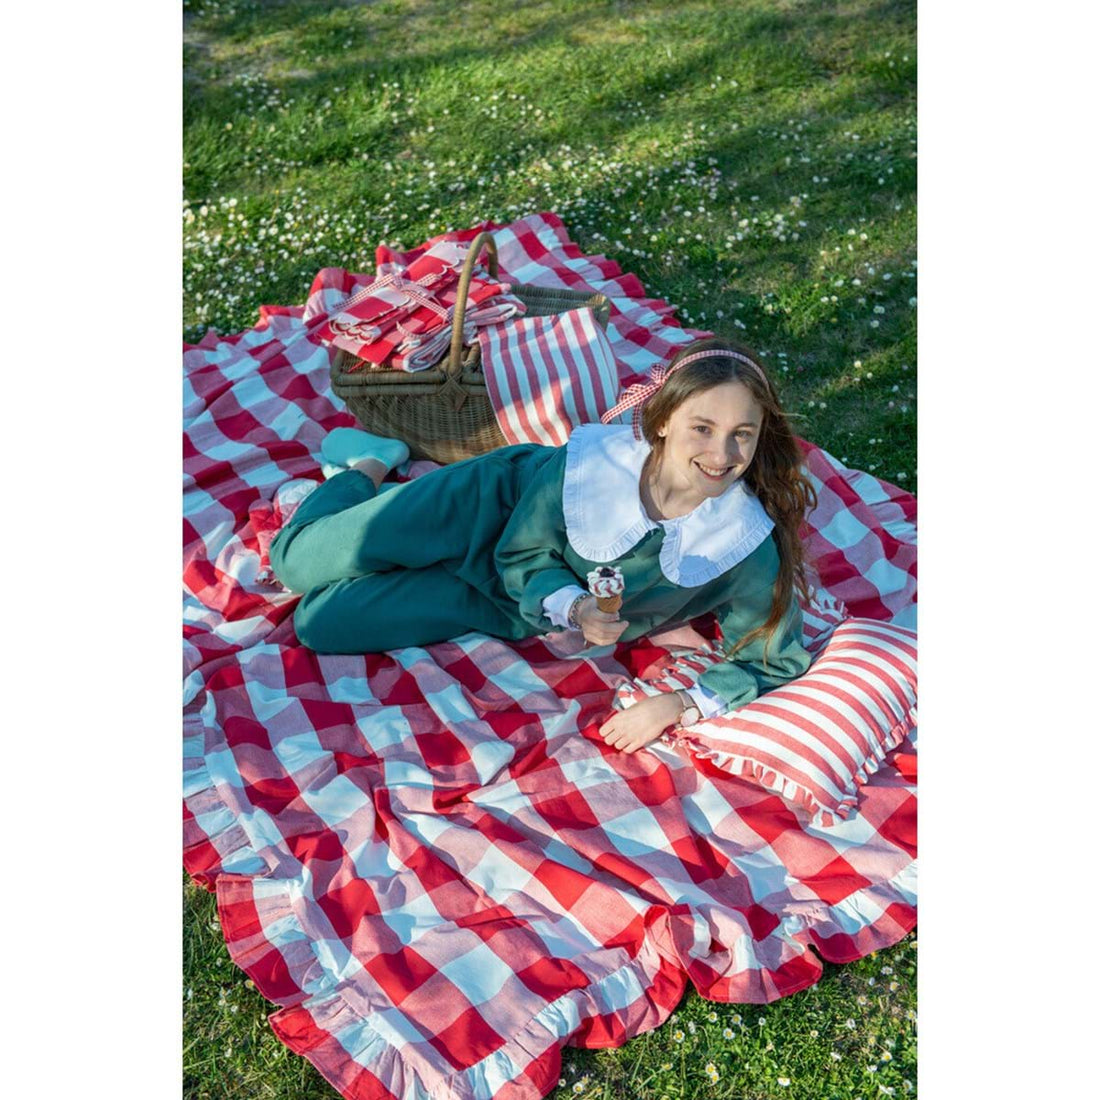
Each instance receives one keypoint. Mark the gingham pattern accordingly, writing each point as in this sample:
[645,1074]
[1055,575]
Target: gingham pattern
[818,739]
[546,375]
[635,398]
[426,857]
[402,318]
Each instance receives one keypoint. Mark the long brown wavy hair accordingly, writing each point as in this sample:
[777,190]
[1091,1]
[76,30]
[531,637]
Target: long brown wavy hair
[775,474]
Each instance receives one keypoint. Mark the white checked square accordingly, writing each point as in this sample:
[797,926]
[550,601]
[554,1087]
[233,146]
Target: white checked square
[243,632]
[337,801]
[490,758]
[479,972]
[351,689]
[451,705]
[384,728]
[764,872]
[617,990]
[373,859]
[637,833]
[496,874]
[265,476]
[887,578]
[262,829]
[564,937]
[223,449]
[855,911]
[427,827]
[589,771]
[395,1027]
[406,773]
[495,1074]
[417,915]
[197,502]
[844,531]
[244,861]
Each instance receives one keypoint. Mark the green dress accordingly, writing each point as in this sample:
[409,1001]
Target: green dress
[477,546]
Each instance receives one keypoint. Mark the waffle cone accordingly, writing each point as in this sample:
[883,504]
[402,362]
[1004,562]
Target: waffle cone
[609,603]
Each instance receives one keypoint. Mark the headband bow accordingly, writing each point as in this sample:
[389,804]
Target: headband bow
[634,397]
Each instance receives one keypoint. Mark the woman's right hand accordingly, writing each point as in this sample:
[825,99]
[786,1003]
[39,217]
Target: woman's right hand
[599,627]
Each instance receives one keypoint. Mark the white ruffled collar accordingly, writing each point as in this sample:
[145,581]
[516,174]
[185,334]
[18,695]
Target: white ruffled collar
[605,518]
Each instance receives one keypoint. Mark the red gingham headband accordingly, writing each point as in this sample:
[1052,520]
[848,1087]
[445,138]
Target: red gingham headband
[637,395]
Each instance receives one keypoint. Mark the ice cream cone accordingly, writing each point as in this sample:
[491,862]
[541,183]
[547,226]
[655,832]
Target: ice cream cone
[606,584]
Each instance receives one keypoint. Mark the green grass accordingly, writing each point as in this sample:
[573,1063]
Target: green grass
[752,161]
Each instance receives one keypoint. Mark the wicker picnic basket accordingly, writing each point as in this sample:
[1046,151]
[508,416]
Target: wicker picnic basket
[444,413]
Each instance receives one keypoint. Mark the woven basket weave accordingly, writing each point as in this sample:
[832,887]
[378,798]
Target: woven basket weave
[444,413]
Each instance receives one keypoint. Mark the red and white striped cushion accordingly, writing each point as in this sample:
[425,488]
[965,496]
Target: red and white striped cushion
[546,375]
[816,740]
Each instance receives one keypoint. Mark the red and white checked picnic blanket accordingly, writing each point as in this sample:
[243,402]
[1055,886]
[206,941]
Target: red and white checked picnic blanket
[425,857]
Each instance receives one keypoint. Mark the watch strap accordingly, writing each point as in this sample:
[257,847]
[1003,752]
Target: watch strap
[691,713]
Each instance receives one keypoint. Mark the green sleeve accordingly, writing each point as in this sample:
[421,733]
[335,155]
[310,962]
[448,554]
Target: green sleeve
[747,674]
[530,554]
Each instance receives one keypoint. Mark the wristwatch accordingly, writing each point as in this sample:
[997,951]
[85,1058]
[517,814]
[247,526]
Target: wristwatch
[690,714]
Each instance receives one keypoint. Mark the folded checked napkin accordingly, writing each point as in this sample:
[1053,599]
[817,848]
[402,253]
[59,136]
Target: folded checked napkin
[546,375]
[403,318]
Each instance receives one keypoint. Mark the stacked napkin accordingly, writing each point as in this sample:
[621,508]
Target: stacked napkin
[403,319]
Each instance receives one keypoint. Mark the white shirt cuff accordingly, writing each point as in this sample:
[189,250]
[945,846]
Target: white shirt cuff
[707,701]
[556,606]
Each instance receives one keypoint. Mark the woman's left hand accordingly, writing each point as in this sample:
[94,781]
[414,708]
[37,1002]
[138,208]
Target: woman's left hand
[634,728]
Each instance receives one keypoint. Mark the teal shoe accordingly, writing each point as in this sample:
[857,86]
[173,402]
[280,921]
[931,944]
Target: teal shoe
[343,447]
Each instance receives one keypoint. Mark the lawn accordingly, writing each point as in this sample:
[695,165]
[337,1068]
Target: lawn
[752,161]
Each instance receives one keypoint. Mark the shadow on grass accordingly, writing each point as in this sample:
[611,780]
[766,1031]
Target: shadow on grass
[792,47]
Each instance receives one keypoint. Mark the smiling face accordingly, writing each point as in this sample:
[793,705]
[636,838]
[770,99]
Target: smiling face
[708,443]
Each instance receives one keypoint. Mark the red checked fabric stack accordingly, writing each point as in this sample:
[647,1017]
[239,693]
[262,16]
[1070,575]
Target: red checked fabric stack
[403,319]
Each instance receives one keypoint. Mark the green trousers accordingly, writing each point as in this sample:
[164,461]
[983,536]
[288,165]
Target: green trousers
[384,570]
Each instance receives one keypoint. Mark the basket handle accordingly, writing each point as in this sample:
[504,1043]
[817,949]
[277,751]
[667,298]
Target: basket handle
[482,240]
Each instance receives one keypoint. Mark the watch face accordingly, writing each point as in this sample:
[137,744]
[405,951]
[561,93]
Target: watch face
[690,716]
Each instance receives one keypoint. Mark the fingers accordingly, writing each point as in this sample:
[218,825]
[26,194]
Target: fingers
[603,616]
[605,633]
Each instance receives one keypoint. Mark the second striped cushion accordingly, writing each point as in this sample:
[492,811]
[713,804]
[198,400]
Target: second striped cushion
[816,740]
